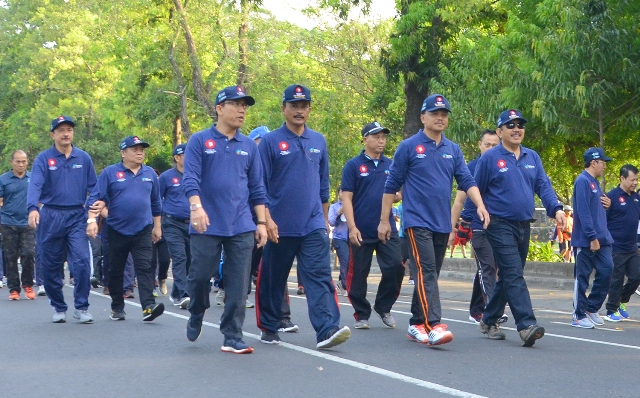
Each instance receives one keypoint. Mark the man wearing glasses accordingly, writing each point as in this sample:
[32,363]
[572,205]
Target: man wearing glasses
[296,176]
[222,178]
[508,176]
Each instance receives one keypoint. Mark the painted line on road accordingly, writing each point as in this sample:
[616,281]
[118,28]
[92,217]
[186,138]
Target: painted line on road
[597,328]
[358,365]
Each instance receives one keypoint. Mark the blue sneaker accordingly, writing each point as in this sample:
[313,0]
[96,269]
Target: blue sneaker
[236,346]
[194,327]
[584,323]
[613,316]
[623,311]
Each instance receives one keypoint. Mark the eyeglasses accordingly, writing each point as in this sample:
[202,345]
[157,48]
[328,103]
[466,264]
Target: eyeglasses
[511,126]
[237,104]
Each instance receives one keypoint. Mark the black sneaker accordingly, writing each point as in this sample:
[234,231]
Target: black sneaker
[287,326]
[117,315]
[194,327]
[152,312]
[95,282]
[531,334]
[270,338]
[334,337]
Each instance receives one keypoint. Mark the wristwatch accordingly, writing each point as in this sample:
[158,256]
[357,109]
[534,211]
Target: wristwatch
[91,220]
[195,206]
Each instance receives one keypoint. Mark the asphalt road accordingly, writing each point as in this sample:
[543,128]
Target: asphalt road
[132,358]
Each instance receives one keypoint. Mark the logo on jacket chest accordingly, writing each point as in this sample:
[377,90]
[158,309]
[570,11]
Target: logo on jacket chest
[209,147]
[284,148]
[420,151]
[53,164]
[593,187]
[502,166]
[622,201]
[364,170]
[120,176]
[175,181]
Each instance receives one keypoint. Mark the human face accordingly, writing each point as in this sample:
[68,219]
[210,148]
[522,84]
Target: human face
[296,113]
[435,122]
[487,142]
[179,160]
[374,143]
[63,135]
[511,138]
[19,163]
[629,184]
[232,112]
[598,166]
[133,155]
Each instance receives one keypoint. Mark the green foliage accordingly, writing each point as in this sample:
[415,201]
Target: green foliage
[542,251]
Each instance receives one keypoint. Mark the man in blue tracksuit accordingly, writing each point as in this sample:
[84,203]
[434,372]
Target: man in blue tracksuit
[591,241]
[622,222]
[485,278]
[131,194]
[425,165]
[508,176]
[222,179]
[175,226]
[363,179]
[60,179]
[296,175]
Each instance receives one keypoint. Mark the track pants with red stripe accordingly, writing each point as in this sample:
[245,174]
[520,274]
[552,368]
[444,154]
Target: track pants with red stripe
[428,249]
[389,261]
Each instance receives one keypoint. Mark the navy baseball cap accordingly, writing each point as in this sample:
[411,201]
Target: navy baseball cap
[179,149]
[233,93]
[510,115]
[258,132]
[595,154]
[296,92]
[373,128]
[133,140]
[61,119]
[435,102]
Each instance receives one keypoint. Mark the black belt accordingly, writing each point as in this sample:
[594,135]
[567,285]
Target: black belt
[58,207]
[182,220]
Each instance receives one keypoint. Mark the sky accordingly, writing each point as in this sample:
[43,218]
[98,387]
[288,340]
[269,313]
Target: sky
[290,10]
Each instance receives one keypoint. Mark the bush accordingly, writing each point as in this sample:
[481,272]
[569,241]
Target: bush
[539,251]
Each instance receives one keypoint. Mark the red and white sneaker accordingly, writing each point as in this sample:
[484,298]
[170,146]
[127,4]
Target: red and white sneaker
[439,335]
[418,333]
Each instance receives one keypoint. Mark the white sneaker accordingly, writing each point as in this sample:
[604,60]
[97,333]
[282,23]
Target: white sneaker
[418,333]
[249,304]
[439,335]
[595,318]
[1,284]
[83,316]
[184,302]
[41,291]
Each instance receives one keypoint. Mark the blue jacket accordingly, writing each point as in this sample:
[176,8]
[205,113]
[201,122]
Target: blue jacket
[60,181]
[296,176]
[589,216]
[622,220]
[427,171]
[132,200]
[227,175]
[366,180]
[507,184]
[13,191]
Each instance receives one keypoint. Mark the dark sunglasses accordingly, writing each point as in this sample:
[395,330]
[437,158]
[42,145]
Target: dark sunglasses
[511,126]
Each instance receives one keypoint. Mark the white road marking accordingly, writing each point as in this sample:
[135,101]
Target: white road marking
[597,327]
[358,365]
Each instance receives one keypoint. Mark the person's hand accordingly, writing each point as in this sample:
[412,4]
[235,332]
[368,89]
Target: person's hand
[34,219]
[261,235]
[92,229]
[606,202]
[384,231]
[452,238]
[199,220]
[595,245]
[97,206]
[156,234]
[561,219]
[484,217]
[272,230]
[355,237]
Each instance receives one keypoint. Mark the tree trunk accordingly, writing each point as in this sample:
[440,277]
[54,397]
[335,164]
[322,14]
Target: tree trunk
[242,45]
[185,129]
[196,70]
[414,98]
[177,131]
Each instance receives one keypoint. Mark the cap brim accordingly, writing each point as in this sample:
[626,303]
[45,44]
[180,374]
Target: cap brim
[437,109]
[142,144]
[376,131]
[511,120]
[297,100]
[249,99]
[63,122]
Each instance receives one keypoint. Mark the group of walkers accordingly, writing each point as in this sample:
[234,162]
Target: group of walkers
[263,201]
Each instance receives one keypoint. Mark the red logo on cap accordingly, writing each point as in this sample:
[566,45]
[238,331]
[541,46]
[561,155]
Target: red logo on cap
[120,174]
[51,162]
[176,180]
[61,118]
[512,112]
[283,146]
[502,164]
[363,169]
[298,89]
[621,199]
[420,149]
[210,144]
[438,99]
[239,89]
[136,139]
